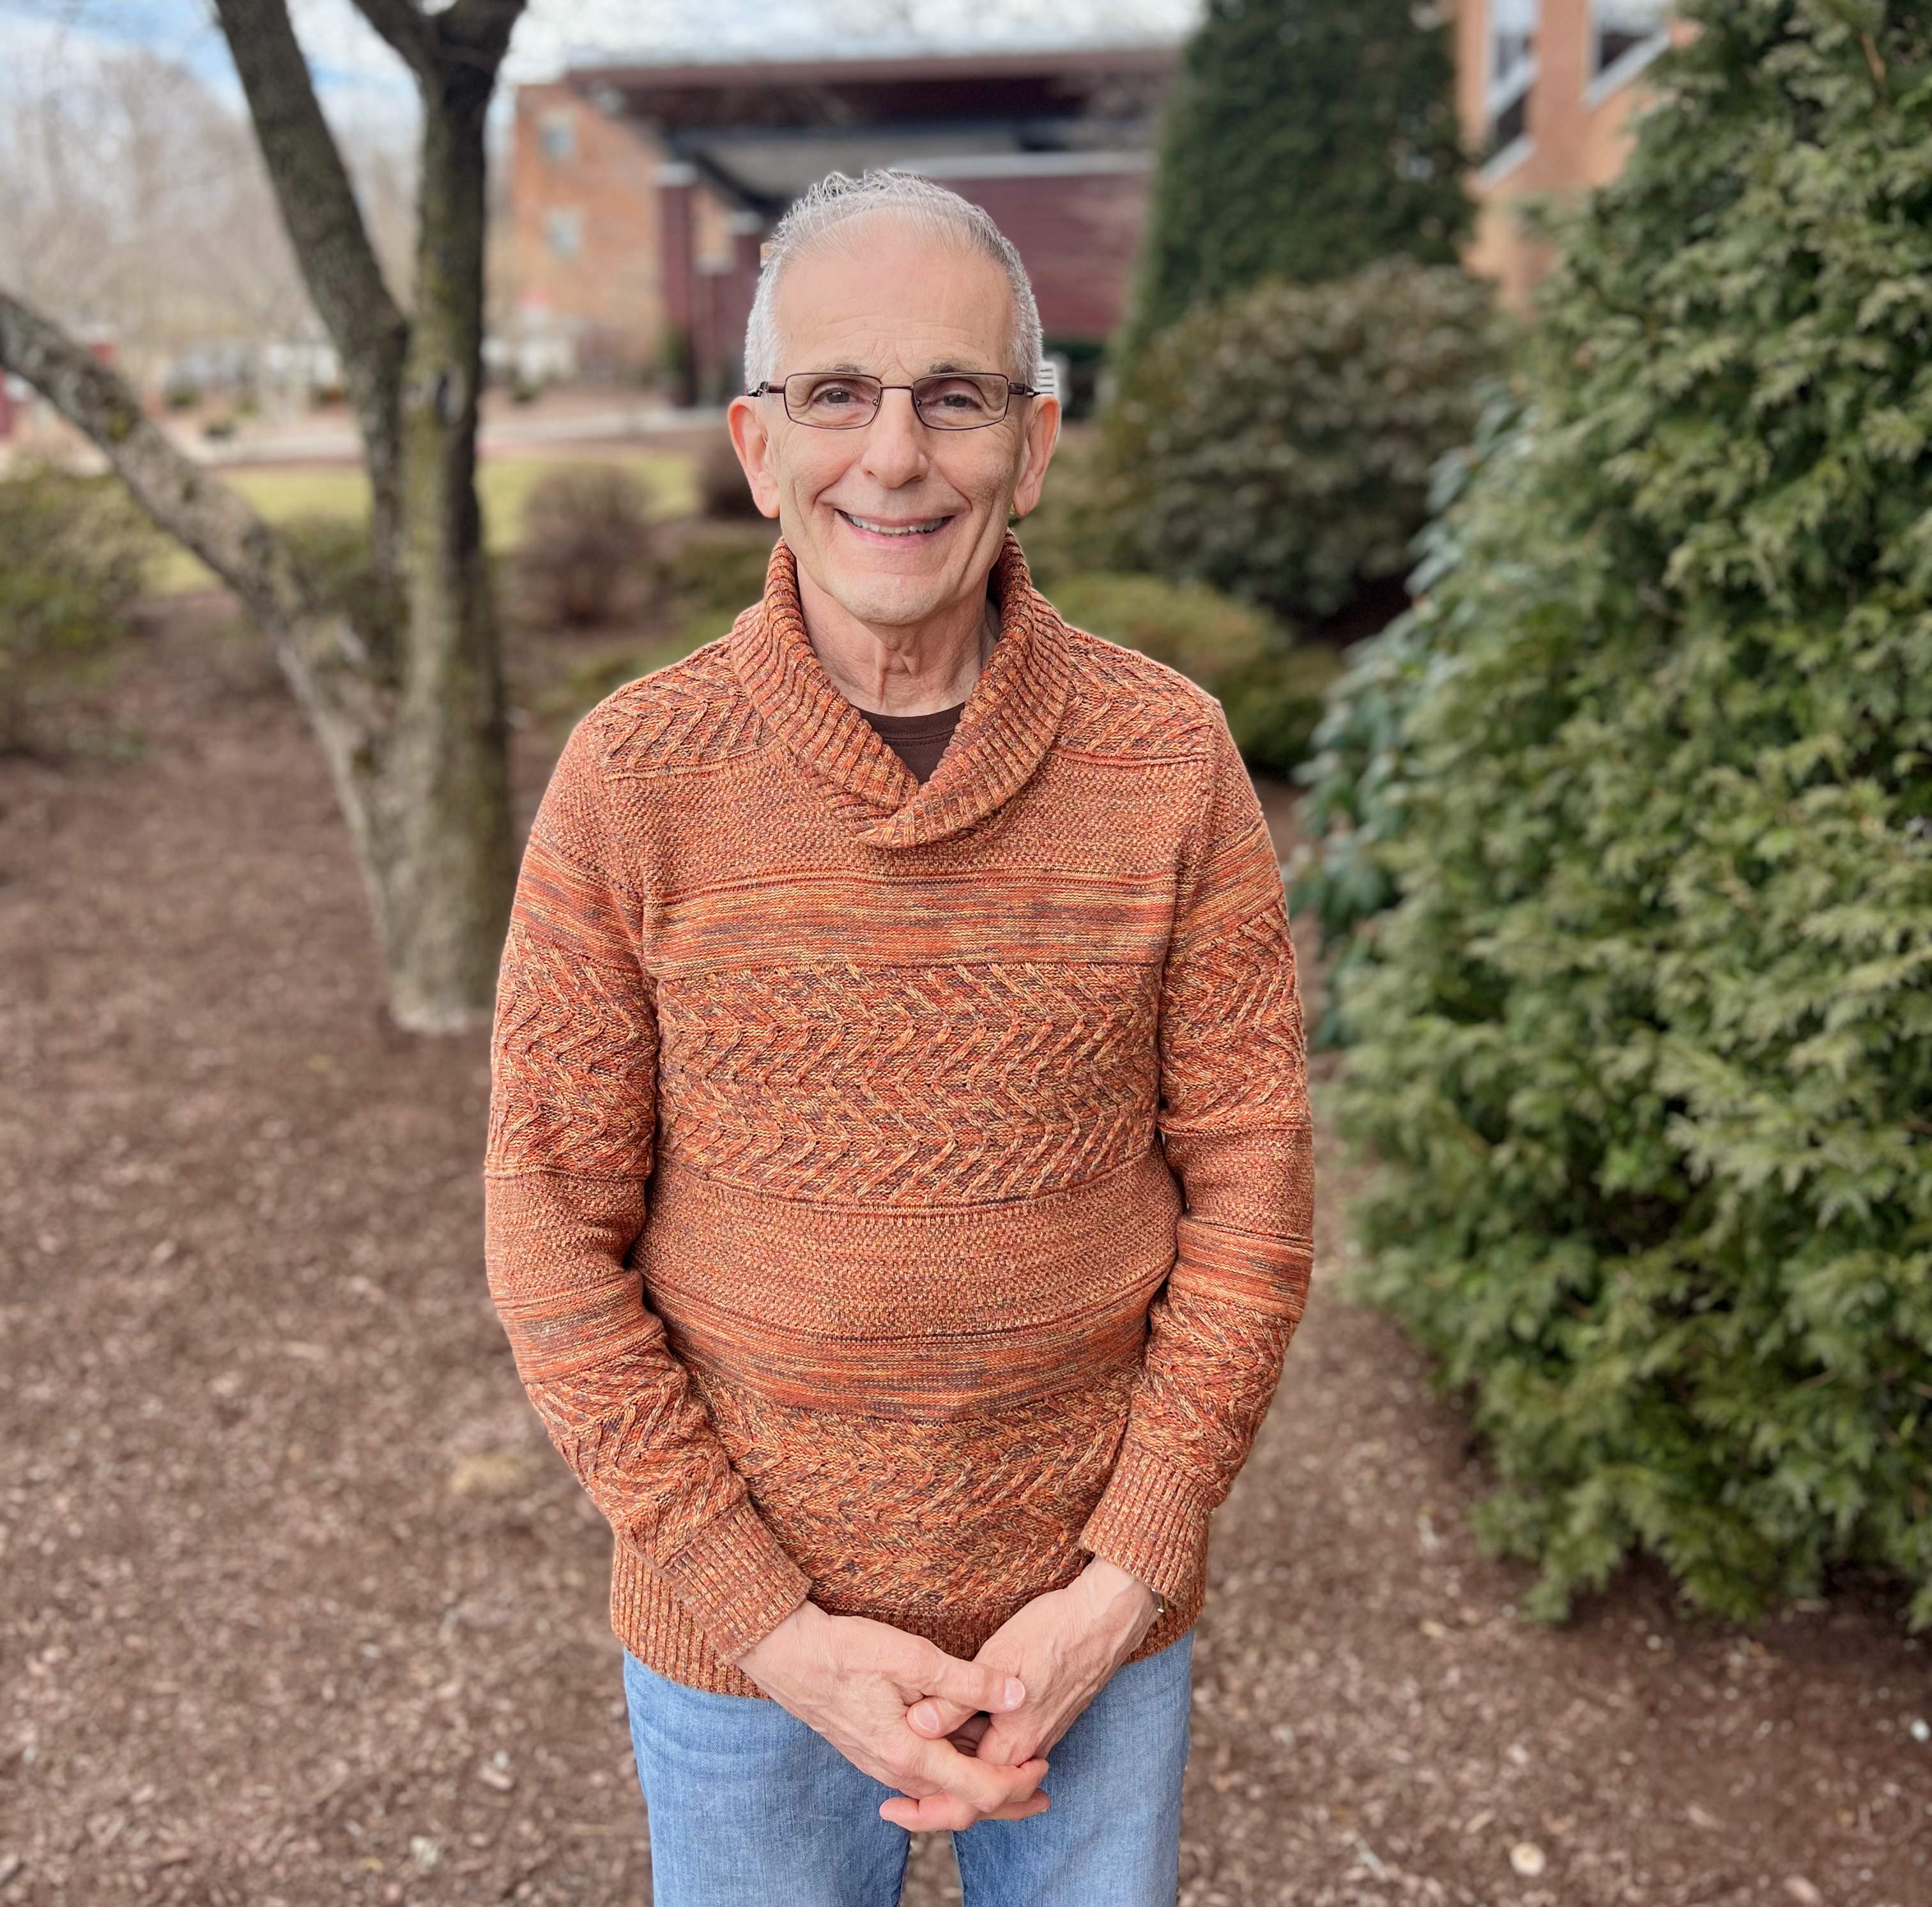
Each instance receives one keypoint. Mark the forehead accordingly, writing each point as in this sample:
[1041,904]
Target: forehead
[877,294]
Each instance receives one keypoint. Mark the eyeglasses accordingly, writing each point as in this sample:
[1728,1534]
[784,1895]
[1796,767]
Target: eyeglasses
[847,400]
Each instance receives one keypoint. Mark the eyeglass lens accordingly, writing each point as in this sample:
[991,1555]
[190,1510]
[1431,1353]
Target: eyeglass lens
[951,400]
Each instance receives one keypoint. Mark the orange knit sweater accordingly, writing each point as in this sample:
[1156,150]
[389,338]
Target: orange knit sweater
[898,1194]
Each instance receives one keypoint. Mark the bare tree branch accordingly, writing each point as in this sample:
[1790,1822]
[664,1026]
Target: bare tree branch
[338,262]
[477,31]
[415,734]
[317,650]
[312,185]
[408,30]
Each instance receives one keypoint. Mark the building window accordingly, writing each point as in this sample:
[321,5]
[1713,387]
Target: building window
[1624,34]
[1513,26]
[563,232]
[556,132]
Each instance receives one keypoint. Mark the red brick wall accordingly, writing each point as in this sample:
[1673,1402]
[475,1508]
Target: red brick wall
[610,293]
[1078,234]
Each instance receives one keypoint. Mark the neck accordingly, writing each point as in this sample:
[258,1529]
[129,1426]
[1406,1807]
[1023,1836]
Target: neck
[889,671]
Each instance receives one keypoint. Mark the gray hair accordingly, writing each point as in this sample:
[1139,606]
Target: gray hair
[837,200]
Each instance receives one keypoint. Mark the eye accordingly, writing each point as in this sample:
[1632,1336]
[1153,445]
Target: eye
[957,400]
[835,394]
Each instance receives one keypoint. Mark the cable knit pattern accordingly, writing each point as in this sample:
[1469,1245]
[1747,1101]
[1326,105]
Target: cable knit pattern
[898,1194]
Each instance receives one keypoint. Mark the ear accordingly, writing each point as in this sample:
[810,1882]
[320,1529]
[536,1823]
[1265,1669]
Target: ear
[752,442]
[1037,442]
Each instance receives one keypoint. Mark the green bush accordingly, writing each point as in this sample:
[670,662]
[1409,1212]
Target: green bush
[1270,688]
[74,553]
[1306,139]
[1361,752]
[1645,1050]
[1279,446]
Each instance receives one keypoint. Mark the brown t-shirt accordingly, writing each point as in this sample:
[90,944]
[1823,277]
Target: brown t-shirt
[919,741]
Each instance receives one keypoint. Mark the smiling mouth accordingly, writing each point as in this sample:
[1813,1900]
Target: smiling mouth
[927,528]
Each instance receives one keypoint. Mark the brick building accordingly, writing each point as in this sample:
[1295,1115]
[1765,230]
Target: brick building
[641,195]
[1545,89]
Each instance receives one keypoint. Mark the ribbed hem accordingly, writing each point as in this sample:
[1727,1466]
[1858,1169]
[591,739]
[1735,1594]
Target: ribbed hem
[656,1628]
[1152,1523]
[736,1581]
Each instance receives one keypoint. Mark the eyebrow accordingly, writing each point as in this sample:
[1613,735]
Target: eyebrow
[945,367]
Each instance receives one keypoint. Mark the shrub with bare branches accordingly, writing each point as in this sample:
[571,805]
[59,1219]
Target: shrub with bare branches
[586,546]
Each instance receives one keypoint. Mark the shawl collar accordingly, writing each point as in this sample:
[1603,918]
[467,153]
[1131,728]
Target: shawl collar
[1008,725]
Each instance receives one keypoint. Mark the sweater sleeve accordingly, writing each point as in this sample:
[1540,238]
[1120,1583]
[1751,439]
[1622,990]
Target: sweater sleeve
[1235,1122]
[572,1122]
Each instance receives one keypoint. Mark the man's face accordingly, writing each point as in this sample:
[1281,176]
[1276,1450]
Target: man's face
[896,522]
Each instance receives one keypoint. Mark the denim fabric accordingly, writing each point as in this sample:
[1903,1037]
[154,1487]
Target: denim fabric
[748,1807]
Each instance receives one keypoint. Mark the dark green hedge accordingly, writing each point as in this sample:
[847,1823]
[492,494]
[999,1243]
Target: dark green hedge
[1279,446]
[1306,139]
[1645,1047]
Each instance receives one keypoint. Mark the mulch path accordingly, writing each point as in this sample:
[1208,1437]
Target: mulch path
[297,1606]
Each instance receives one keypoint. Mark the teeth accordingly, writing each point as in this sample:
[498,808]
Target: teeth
[897,529]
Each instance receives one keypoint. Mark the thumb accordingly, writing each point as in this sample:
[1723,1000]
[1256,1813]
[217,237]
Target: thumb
[936,1718]
[970,1686]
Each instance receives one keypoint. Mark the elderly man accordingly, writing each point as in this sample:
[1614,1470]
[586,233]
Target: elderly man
[899,1176]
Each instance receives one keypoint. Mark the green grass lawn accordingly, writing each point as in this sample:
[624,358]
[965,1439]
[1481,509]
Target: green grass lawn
[503,482]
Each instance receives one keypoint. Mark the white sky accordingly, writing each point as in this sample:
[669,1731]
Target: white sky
[358,75]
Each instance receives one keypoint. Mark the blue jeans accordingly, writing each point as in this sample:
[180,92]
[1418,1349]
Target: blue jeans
[749,1808]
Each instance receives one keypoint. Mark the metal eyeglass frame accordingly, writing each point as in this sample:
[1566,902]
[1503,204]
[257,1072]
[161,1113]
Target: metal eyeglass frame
[768,389]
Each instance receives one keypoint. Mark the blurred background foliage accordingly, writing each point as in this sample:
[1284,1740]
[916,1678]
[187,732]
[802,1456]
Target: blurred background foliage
[1279,446]
[1307,139]
[75,553]
[1303,348]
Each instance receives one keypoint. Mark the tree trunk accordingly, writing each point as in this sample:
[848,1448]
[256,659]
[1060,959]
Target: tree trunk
[410,711]
[445,863]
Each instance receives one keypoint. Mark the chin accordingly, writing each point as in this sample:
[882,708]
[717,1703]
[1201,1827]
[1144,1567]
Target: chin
[873,596]
[890,591]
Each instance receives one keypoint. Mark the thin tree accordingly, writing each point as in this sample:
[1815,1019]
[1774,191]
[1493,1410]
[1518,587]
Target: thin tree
[405,696]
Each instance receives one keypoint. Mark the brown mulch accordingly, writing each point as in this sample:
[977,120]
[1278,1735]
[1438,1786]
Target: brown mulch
[296,1606]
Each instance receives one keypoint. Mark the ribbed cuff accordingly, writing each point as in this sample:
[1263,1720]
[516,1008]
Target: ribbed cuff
[1152,1523]
[736,1580]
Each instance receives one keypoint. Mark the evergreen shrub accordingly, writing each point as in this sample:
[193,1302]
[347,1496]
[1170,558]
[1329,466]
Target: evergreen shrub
[333,553]
[1360,756]
[1645,1048]
[1305,139]
[1279,446]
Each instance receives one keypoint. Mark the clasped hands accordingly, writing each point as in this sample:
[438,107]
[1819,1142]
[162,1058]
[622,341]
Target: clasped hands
[962,1741]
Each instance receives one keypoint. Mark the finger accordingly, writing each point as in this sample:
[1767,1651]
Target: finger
[948,1814]
[936,1814]
[983,1786]
[935,1717]
[967,1737]
[1009,1746]
[973,1686]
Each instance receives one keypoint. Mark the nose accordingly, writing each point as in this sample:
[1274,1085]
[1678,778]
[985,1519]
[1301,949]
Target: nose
[896,453]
